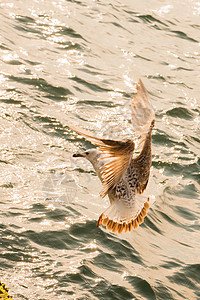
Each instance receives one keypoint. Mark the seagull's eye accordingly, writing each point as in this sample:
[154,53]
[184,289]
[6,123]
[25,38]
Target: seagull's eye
[86,152]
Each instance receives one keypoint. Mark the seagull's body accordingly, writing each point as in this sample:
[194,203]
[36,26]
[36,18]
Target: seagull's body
[124,177]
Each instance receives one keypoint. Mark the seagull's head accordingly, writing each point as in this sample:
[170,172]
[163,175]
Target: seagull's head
[90,154]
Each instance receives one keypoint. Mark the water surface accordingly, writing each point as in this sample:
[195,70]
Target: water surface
[78,62]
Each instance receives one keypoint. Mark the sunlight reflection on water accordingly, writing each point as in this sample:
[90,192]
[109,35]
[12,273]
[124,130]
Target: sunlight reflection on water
[78,62]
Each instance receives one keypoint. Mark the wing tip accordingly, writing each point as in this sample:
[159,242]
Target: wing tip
[140,87]
[140,82]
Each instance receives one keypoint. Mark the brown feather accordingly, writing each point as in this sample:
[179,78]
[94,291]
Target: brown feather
[99,222]
[130,226]
[120,228]
[140,219]
[115,227]
[143,212]
[120,154]
[146,205]
[135,224]
[110,224]
[105,221]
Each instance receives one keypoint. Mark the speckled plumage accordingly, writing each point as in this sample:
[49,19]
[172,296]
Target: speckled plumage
[124,177]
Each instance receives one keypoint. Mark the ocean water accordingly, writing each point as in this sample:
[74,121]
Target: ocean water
[77,62]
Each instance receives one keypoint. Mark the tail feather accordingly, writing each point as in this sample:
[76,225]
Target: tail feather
[113,221]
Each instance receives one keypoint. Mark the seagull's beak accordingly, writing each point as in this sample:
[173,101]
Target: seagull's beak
[78,154]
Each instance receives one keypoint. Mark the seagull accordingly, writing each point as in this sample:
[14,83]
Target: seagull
[123,174]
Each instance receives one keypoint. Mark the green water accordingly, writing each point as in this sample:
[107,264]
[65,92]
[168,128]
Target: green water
[78,62]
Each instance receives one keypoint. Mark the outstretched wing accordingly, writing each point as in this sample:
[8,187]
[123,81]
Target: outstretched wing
[118,155]
[142,112]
